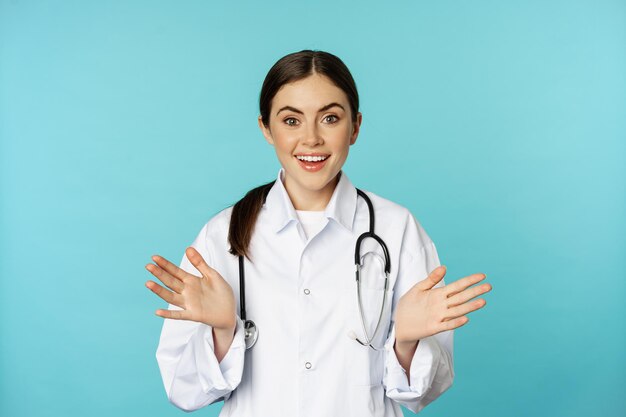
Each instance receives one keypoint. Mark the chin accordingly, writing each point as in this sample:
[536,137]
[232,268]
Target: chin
[322,182]
[313,184]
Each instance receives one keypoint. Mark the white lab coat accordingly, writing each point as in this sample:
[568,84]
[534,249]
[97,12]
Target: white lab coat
[304,363]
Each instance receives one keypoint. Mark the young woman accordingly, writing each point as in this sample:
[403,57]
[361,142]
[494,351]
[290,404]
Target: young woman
[320,343]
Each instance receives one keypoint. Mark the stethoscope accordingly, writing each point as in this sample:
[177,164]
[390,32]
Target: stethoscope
[251,331]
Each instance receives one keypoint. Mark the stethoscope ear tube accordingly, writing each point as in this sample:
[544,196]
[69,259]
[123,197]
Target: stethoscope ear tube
[368,340]
[357,262]
[370,233]
[357,250]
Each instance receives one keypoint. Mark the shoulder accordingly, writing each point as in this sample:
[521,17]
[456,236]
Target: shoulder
[385,205]
[398,218]
[217,226]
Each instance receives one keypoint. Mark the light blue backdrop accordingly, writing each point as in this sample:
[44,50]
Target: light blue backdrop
[124,126]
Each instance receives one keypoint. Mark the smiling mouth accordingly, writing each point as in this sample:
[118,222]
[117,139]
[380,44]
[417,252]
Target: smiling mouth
[312,163]
[312,158]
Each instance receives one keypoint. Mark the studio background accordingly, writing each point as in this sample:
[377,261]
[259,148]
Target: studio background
[125,126]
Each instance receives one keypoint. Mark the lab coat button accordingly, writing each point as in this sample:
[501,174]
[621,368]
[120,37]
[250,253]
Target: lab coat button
[308,365]
[307,291]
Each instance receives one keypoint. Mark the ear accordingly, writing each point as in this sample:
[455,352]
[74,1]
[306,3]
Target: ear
[266,131]
[356,126]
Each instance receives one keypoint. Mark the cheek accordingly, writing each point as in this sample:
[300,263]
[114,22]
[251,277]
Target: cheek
[283,141]
[283,148]
[341,138]
[342,146]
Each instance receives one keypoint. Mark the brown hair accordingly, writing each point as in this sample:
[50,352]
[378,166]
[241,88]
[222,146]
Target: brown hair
[290,68]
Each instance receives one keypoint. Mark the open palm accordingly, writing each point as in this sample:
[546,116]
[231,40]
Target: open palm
[424,311]
[206,299]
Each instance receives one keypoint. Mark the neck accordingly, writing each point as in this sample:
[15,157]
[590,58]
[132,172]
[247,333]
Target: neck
[310,200]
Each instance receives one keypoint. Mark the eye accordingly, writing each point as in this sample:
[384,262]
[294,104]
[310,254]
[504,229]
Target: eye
[332,117]
[290,121]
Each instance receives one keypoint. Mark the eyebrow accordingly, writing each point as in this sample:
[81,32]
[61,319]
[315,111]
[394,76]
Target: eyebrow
[326,107]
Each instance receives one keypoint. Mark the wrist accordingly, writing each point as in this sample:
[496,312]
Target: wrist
[406,345]
[404,339]
[404,352]
[225,331]
[222,339]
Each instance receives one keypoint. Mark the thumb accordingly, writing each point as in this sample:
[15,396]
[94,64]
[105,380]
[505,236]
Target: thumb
[431,280]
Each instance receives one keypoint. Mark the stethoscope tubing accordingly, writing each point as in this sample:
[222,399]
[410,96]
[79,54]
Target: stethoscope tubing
[250,328]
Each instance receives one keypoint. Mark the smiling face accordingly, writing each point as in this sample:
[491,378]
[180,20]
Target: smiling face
[311,129]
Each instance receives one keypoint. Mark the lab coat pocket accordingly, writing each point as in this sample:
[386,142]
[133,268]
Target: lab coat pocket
[367,400]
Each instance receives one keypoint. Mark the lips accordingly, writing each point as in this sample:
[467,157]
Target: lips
[312,162]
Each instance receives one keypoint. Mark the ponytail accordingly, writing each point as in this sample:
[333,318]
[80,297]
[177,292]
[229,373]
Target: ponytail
[243,219]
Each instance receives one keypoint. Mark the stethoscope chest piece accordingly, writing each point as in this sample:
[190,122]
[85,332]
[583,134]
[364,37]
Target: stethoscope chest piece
[251,333]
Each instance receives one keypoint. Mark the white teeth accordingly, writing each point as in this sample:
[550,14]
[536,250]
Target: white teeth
[311,158]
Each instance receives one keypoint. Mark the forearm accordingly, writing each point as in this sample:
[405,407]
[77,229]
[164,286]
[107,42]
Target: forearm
[432,372]
[404,352]
[222,339]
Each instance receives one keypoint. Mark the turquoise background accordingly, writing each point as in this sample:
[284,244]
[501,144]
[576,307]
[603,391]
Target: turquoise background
[126,125]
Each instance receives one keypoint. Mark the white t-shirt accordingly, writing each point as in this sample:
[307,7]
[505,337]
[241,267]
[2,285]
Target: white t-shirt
[312,221]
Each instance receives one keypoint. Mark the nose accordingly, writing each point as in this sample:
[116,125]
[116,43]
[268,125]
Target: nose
[312,136]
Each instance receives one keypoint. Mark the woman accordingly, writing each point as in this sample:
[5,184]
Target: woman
[320,349]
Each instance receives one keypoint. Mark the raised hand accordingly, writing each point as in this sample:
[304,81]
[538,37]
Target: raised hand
[207,299]
[424,311]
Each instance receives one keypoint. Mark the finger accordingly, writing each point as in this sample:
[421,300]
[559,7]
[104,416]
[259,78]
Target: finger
[454,324]
[466,308]
[198,261]
[171,269]
[468,294]
[172,314]
[433,278]
[172,282]
[167,295]
[461,284]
